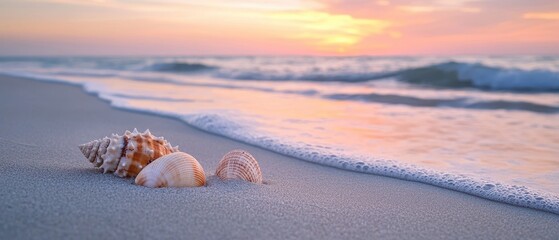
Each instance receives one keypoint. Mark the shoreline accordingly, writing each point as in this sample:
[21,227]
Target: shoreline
[487,188]
[43,169]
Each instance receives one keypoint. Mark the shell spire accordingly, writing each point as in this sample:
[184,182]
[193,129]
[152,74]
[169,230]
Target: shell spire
[125,155]
[239,164]
[94,150]
[147,133]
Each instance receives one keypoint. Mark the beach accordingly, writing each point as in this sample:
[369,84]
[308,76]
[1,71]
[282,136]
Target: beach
[50,191]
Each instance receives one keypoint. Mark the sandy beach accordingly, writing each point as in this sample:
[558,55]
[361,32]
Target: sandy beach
[50,191]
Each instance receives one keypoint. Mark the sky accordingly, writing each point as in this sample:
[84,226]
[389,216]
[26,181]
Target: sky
[281,27]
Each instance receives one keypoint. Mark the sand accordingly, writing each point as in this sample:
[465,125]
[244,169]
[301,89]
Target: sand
[50,191]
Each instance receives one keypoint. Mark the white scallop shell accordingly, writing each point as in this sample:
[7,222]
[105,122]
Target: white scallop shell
[128,154]
[174,170]
[239,164]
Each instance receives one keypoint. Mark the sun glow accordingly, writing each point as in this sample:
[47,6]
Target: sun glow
[330,31]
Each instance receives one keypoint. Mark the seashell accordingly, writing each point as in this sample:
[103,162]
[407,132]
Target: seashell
[128,154]
[239,164]
[174,170]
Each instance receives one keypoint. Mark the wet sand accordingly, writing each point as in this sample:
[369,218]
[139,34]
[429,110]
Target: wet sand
[50,191]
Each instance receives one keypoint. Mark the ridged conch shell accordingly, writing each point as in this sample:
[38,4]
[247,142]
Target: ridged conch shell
[174,170]
[239,164]
[128,154]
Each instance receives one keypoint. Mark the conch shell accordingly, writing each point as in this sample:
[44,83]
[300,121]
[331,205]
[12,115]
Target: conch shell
[128,154]
[239,164]
[174,170]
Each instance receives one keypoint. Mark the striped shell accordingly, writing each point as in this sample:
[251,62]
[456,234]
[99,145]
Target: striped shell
[174,170]
[128,154]
[239,164]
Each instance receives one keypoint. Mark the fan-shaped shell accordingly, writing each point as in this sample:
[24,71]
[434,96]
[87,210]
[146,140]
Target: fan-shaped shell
[174,170]
[239,164]
[128,154]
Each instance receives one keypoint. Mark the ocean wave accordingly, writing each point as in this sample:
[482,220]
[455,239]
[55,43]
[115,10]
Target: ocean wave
[180,67]
[287,75]
[490,74]
[450,75]
[466,75]
[447,102]
[84,73]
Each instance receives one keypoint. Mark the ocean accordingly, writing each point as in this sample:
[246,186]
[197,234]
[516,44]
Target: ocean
[482,125]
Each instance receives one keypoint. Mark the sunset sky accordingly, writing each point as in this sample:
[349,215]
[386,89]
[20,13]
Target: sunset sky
[281,27]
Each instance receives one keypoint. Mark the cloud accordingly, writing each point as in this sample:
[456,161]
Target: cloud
[439,5]
[382,2]
[172,5]
[289,26]
[541,15]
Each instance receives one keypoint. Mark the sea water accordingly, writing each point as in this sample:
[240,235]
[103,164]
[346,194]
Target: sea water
[487,126]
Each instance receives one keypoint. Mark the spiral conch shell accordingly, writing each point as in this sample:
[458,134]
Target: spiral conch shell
[128,154]
[174,170]
[239,164]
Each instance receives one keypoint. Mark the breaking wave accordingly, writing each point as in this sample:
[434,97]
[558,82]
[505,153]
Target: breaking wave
[464,75]
[180,67]
[449,75]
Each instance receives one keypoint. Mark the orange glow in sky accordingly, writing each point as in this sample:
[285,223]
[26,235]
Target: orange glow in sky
[287,27]
[327,32]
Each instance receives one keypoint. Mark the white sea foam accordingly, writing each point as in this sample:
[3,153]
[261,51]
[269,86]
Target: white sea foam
[512,194]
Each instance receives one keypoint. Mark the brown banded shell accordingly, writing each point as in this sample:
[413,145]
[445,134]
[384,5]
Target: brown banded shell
[174,170]
[239,164]
[128,154]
